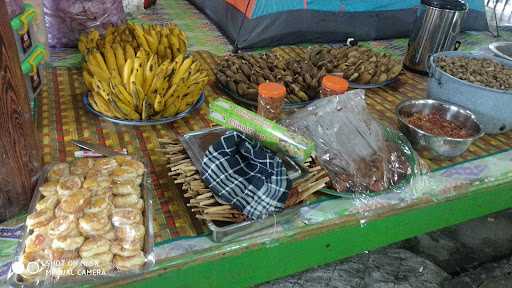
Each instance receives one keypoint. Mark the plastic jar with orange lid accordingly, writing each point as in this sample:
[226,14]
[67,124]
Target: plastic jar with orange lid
[333,85]
[270,100]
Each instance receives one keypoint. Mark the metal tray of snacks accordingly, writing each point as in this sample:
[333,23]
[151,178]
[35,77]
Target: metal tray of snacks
[197,143]
[177,117]
[78,275]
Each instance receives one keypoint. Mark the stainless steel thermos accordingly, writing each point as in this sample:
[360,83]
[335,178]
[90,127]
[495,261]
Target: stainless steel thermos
[437,24]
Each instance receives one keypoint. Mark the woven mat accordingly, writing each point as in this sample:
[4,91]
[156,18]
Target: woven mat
[61,116]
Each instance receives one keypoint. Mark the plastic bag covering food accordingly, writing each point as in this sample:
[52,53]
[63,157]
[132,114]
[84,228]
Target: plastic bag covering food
[14,7]
[66,20]
[358,152]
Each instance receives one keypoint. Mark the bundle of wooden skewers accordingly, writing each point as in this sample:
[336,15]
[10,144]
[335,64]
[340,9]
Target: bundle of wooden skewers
[202,201]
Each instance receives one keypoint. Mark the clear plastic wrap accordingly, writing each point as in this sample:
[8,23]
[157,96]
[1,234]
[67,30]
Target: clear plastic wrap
[273,136]
[14,7]
[360,155]
[66,20]
[86,241]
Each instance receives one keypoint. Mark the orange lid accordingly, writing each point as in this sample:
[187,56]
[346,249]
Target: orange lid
[334,83]
[271,90]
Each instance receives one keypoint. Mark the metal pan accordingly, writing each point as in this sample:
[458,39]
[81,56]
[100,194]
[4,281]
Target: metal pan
[196,144]
[179,116]
[16,280]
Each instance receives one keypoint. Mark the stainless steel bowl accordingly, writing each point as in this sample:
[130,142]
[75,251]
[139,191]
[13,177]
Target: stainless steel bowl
[432,146]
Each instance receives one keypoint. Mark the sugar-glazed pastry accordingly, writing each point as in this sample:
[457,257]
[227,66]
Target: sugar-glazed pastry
[62,226]
[110,235]
[49,188]
[126,188]
[105,165]
[129,263]
[121,159]
[60,212]
[125,200]
[61,254]
[68,185]
[34,264]
[98,182]
[99,204]
[81,166]
[76,202]
[48,202]
[123,174]
[38,241]
[134,165]
[118,249]
[94,224]
[58,171]
[39,218]
[137,206]
[126,216]
[67,242]
[136,244]
[94,246]
[130,232]
[98,260]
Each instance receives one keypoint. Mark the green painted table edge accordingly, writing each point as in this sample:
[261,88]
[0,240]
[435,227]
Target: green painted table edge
[324,243]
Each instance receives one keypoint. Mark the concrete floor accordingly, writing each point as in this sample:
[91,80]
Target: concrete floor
[476,254]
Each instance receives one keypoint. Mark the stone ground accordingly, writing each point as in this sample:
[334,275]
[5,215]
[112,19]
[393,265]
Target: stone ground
[475,254]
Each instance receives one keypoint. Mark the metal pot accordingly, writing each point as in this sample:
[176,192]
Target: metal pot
[490,106]
[437,24]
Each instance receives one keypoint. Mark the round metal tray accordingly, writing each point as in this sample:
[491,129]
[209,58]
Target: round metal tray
[181,115]
[502,49]
[286,106]
[370,86]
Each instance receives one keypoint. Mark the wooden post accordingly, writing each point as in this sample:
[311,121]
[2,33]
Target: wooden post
[20,156]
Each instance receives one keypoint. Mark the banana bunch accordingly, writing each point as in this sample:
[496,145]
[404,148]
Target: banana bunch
[167,41]
[141,86]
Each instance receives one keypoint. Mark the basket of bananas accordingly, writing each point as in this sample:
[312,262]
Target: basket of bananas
[140,74]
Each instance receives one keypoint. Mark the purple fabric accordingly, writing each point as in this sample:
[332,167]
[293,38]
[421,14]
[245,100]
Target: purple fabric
[66,20]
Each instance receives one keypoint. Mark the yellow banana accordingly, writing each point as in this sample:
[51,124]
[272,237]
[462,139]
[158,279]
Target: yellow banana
[174,45]
[159,103]
[181,71]
[98,59]
[139,35]
[152,41]
[141,96]
[137,76]
[127,70]
[110,59]
[149,72]
[147,110]
[98,73]
[88,79]
[160,75]
[129,53]
[162,52]
[125,110]
[120,60]
[121,94]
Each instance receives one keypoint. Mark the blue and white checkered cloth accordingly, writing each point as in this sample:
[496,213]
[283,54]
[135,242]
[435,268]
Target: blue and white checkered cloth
[241,172]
